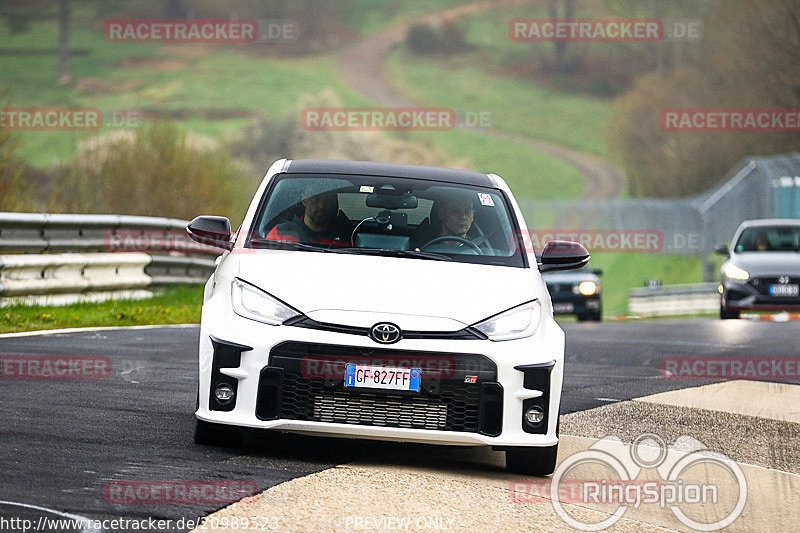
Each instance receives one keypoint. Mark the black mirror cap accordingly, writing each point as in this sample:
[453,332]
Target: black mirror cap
[597,271]
[722,249]
[563,255]
[211,230]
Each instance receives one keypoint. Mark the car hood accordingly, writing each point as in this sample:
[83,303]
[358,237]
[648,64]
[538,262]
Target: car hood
[360,290]
[768,263]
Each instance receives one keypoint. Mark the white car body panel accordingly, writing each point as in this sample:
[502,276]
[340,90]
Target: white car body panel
[436,296]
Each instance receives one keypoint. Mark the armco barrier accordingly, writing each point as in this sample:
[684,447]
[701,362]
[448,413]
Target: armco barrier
[65,258]
[674,300]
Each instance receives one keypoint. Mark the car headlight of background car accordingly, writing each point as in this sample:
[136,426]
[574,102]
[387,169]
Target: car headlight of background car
[516,323]
[587,288]
[251,302]
[732,271]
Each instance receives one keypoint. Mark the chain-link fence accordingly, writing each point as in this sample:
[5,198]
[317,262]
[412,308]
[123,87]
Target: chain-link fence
[759,187]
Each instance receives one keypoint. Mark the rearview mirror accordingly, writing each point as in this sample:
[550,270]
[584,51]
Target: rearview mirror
[214,231]
[563,255]
[722,249]
[385,201]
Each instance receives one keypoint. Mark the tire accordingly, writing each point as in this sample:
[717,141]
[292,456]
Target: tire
[597,317]
[210,434]
[532,460]
[725,314]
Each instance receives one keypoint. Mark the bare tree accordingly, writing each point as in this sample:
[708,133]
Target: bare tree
[63,42]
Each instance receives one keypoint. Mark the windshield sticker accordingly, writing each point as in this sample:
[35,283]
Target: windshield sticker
[486,199]
[366,188]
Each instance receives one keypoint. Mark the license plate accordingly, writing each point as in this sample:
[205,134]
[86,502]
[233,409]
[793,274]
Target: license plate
[382,377]
[784,290]
[563,307]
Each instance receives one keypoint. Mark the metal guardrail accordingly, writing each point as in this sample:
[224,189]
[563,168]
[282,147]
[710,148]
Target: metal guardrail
[674,300]
[63,258]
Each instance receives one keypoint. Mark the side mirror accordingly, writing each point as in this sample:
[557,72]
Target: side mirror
[214,231]
[597,271]
[722,249]
[563,255]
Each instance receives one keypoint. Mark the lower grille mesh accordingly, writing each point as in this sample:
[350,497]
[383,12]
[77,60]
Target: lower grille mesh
[392,411]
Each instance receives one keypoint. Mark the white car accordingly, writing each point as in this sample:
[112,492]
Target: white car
[382,301]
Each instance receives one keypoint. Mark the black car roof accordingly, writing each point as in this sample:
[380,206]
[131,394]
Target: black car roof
[392,170]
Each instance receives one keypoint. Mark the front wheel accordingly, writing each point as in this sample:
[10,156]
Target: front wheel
[726,314]
[532,460]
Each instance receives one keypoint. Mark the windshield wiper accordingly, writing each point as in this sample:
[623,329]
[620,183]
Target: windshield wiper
[258,242]
[395,253]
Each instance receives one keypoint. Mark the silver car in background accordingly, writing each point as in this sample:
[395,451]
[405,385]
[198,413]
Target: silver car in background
[762,272]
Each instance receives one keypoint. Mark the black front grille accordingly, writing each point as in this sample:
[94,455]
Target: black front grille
[312,388]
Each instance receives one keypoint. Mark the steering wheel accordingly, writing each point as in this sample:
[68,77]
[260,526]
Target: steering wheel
[468,242]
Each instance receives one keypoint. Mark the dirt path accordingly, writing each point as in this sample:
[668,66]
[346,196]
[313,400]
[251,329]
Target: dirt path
[362,66]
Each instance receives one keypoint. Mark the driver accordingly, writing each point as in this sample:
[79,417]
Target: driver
[320,223]
[762,243]
[456,214]
[452,215]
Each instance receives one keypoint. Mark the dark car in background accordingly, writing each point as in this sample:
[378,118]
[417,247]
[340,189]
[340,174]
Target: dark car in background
[576,292]
[762,272]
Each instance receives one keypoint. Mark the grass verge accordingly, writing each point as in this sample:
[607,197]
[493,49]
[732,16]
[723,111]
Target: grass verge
[176,305]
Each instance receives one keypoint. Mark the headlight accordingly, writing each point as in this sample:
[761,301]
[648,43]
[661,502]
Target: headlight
[734,272]
[587,288]
[251,302]
[516,323]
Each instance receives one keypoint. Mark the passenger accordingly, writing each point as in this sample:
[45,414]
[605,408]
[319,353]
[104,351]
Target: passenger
[320,223]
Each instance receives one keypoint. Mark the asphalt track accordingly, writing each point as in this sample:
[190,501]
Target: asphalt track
[61,441]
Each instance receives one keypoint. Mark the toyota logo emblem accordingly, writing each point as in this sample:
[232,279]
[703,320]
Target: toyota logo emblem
[783,280]
[385,333]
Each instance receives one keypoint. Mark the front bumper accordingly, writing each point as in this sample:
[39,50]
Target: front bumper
[272,372]
[753,295]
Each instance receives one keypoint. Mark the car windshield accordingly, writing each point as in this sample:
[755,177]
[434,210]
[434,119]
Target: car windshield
[769,239]
[413,218]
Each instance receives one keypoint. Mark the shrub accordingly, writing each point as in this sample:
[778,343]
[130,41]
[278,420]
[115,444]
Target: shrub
[15,194]
[155,171]
[447,39]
